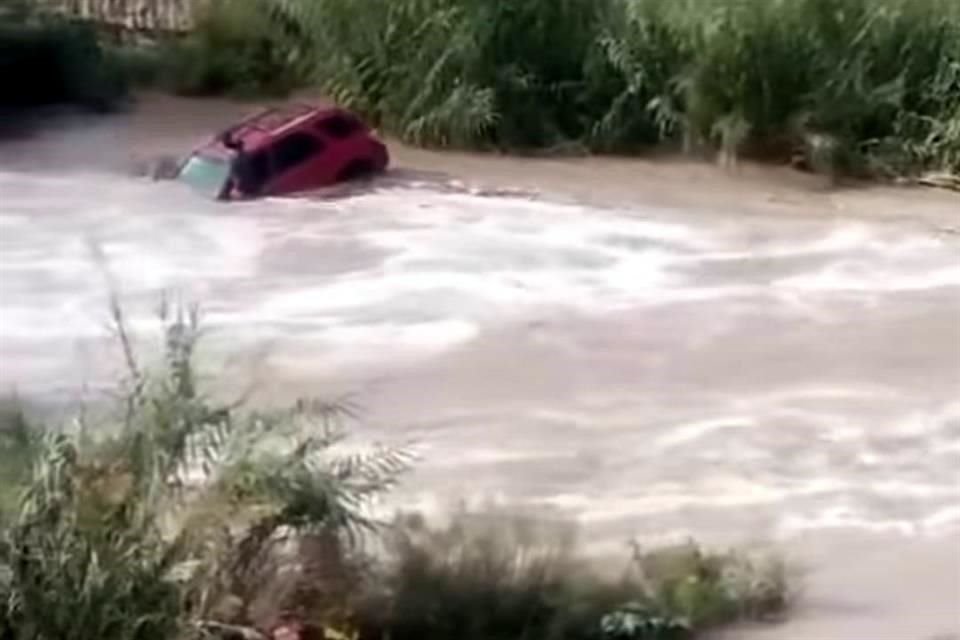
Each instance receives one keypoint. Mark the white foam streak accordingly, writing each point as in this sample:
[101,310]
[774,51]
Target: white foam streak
[444,256]
[857,277]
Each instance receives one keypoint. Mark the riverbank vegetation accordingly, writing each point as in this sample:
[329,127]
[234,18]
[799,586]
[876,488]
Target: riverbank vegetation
[49,60]
[170,516]
[868,86]
[854,86]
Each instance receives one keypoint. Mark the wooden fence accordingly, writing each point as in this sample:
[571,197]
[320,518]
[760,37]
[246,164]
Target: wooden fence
[144,16]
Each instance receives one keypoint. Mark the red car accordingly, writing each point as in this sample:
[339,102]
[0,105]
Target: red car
[285,150]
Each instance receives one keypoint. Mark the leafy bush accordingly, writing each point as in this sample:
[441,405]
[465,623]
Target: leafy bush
[135,526]
[495,575]
[47,61]
[139,65]
[235,47]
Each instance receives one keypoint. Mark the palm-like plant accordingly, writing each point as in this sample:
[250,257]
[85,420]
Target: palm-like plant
[141,528]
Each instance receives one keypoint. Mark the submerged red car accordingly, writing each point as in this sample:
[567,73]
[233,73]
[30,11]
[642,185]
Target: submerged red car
[285,150]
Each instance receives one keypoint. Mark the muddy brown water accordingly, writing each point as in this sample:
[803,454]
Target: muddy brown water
[656,348]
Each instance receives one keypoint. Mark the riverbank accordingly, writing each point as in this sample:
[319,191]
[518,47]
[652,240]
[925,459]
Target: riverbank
[867,88]
[862,87]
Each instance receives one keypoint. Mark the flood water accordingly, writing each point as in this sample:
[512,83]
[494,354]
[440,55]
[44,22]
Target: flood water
[640,352]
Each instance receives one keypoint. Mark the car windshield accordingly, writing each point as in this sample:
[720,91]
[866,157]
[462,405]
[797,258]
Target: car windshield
[206,174]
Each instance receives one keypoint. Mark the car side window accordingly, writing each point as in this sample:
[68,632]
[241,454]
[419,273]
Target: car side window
[253,172]
[339,126]
[294,149]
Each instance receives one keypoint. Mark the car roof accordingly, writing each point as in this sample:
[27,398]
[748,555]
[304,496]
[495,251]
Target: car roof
[264,126]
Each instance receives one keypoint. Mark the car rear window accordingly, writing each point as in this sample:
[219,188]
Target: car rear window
[295,149]
[339,126]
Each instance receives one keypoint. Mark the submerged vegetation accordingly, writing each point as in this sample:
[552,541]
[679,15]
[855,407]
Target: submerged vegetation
[172,517]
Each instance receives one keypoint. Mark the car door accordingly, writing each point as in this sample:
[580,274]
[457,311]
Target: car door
[252,173]
[297,163]
[350,150]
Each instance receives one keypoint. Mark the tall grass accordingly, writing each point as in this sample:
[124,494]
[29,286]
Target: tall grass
[870,85]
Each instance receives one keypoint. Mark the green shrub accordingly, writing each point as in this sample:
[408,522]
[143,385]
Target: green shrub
[148,518]
[48,61]
[139,65]
[234,48]
[494,575]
